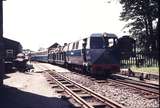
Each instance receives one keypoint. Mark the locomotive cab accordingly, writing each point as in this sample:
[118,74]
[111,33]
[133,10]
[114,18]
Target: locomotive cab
[20,62]
[102,57]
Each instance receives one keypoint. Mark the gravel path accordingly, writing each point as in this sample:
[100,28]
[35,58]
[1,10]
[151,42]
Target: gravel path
[29,90]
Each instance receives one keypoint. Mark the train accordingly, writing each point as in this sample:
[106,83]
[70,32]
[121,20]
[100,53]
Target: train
[41,56]
[14,59]
[98,54]
[12,48]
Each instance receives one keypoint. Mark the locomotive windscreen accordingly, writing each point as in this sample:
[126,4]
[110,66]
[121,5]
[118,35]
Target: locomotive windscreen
[97,43]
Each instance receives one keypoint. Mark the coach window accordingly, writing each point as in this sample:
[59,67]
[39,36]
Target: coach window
[68,47]
[85,42]
[65,48]
[73,47]
[88,43]
[80,44]
[77,44]
[9,53]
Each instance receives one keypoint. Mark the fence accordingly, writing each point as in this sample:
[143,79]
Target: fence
[150,59]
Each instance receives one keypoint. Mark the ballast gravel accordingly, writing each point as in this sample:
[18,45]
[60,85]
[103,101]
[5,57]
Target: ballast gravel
[126,96]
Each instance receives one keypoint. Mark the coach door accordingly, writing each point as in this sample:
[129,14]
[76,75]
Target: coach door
[84,49]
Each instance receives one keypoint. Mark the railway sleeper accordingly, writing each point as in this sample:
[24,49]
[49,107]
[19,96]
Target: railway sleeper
[94,104]
[97,104]
[39,71]
[85,95]
[60,79]
[76,89]
[55,86]
[101,81]
[69,85]
[65,82]
[60,90]
[74,103]
[51,82]
[65,96]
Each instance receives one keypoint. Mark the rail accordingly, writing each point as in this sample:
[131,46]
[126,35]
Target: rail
[99,100]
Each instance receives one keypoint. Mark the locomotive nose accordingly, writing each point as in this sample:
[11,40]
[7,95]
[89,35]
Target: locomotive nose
[104,57]
[106,62]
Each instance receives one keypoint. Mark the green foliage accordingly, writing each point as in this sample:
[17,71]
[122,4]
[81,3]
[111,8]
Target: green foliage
[140,15]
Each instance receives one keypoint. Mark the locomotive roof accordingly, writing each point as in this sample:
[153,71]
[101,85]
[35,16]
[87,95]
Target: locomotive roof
[56,45]
[6,40]
[103,34]
[12,44]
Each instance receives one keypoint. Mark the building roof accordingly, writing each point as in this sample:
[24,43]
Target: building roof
[54,45]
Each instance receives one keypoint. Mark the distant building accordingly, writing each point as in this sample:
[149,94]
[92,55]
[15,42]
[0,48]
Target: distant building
[52,47]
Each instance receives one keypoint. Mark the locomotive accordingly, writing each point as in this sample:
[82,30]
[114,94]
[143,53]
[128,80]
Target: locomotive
[14,59]
[20,63]
[12,48]
[96,54]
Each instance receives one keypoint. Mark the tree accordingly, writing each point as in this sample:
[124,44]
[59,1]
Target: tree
[141,16]
[41,49]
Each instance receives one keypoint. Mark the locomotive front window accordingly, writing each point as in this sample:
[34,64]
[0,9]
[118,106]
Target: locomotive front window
[97,43]
[77,44]
[111,42]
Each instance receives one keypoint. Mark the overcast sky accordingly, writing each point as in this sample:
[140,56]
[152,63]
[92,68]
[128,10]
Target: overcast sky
[40,23]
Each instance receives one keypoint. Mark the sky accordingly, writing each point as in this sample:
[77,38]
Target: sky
[41,23]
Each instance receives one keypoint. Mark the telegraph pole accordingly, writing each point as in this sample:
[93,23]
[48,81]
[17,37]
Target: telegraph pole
[2,71]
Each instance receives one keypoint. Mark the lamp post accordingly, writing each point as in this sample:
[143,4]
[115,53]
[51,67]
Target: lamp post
[2,71]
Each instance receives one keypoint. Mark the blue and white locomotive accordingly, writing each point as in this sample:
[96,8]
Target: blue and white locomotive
[97,54]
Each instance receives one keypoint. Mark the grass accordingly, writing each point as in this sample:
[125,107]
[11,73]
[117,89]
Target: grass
[149,70]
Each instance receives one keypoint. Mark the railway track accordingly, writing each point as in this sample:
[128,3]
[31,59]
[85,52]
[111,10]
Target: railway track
[146,89]
[73,76]
[138,82]
[79,95]
[138,85]
[149,90]
[84,97]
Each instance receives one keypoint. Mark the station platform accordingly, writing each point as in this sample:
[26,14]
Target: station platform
[153,78]
[29,90]
[155,82]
